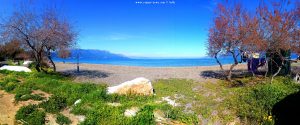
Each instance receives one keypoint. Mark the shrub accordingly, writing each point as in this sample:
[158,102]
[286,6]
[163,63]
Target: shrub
[28,97]
[31,115]
[20,91]
[9,83]
[145,116]
[256,103]
[54,104]
[62,120]
[10,86]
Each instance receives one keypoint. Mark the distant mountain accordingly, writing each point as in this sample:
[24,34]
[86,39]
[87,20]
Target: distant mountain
[92,54]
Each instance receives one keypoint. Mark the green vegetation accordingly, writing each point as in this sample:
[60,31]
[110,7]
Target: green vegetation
[31,115]
[197,103]
[55,104]
[94,100]
[62,120]
[256,102]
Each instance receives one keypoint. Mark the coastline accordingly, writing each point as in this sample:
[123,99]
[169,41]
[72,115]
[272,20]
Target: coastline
[115,74]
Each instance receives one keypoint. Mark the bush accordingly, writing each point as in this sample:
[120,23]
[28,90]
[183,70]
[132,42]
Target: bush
[10,86]
[255,103]
[145,116]
[28,97]
[20,91]
[62,120]
[9,83]
[54,104]
[31,115]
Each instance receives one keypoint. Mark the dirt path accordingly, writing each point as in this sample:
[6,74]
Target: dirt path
[8,108]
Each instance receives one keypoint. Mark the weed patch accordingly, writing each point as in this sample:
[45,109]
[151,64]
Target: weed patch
[31,115]
[55,104]
[62,120]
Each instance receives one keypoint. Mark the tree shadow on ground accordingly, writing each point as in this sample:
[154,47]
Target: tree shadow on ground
[218,74]
[87,73]
[237,76]
[287,111]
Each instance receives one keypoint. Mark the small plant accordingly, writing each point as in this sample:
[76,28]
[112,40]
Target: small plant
[62,120]
[10,86]
[28,97]
[31,115]
[145,116]
[54,104]
[11,62]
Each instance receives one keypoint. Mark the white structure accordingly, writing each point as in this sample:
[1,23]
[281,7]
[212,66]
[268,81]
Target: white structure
[16,68]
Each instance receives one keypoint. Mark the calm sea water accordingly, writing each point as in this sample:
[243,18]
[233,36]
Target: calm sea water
[206,61]
[152,62]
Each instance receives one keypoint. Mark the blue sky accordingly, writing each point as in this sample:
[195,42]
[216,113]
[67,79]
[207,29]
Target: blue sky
[126,27]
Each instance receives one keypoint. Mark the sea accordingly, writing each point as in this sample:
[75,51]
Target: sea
[205,61]
[182,62]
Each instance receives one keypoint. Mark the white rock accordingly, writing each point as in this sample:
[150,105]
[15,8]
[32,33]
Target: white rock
[81,118]
[77,102]
[115,104]
[170,101]
[159,116]
[131,112]
[16,68]
[27,62]
[139,85]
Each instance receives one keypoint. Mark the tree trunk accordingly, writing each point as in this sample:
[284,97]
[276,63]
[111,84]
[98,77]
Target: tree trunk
[267,67]
[50,58]
[38,62]
[230,71]
[37,67]
[221,66]
[251,62]
[232,66]
[51,61]
[279,69]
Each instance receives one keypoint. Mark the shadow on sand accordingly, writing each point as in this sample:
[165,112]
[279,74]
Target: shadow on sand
[287,111]
[87,73]
[218,74]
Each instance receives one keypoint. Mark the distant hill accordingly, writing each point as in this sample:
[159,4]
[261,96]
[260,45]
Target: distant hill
[92,54]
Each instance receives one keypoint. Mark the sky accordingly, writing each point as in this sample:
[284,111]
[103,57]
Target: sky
[137,28]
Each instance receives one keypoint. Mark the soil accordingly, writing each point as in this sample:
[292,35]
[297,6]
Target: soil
[8,108]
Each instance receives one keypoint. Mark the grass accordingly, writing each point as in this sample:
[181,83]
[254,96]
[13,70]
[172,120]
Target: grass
[62,120]
[31,115]
[94,104]
[199,103]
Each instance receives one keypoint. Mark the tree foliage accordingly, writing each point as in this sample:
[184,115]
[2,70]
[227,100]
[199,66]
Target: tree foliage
[273,27]
[42,32]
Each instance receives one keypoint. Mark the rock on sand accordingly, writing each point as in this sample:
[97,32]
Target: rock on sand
[140,86]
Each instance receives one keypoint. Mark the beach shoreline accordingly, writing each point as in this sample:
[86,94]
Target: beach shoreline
[116,74]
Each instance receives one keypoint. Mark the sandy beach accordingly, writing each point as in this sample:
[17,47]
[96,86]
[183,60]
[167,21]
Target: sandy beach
[113,75]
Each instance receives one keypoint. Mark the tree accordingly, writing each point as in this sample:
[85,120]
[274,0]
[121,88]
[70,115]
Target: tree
[42,33]
[280,30]
[224,35]
[12,50]
[57,35]
[64,53]
[271,29]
